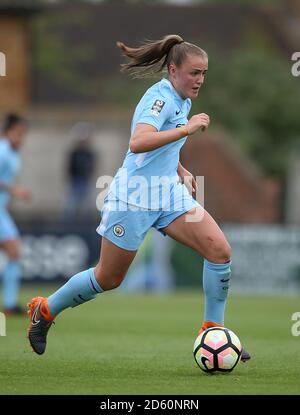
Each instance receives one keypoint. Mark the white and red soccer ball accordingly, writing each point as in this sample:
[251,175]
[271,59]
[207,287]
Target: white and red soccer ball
[217,349]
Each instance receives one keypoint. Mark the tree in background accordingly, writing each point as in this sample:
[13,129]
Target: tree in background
[256,98]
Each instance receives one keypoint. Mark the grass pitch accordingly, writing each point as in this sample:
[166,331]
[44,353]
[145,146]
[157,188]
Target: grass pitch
[142,344]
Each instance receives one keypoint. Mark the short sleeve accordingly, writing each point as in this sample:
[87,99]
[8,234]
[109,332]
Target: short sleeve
[156,111]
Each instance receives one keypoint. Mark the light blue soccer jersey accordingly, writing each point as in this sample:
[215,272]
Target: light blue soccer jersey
[138,180]
[10,163]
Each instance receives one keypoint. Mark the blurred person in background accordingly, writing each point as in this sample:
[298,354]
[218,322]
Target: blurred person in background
[159,129]
[80,168]
[13,133]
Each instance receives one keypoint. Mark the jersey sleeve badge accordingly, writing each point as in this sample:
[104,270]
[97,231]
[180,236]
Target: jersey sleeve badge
[157,107]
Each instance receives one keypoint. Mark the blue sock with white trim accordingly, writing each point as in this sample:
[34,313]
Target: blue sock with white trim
[81,288]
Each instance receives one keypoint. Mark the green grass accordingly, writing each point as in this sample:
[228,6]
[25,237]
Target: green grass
[142,344]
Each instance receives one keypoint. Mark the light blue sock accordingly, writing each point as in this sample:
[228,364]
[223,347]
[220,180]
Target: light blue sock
[11,283]
[81,288]
[216,278]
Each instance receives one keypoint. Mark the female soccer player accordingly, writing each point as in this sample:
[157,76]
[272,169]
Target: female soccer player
[159,129]
[14,130]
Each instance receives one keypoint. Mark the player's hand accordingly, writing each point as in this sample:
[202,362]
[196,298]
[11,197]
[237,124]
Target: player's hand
[188,180]
[198,121]
[21,193]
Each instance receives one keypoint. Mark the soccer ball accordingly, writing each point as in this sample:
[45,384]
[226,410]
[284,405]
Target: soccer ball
[217,349]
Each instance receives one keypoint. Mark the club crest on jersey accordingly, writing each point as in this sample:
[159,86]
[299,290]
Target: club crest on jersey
[157,107]
[118,230]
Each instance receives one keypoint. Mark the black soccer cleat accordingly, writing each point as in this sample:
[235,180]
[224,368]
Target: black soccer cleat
[245,356]
[39,325]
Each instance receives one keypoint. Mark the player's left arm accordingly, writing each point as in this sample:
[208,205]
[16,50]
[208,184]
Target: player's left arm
[187,178]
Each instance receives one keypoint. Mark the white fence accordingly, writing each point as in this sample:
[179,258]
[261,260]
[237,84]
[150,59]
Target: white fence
[266,258]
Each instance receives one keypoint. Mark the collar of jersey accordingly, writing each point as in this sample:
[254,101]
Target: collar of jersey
[173,91]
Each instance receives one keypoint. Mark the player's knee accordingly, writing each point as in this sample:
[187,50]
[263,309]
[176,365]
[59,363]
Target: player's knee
[219,253]
[15,256]
[13,252]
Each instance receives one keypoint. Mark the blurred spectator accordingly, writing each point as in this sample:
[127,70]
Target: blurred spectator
[13,134]
[80,167]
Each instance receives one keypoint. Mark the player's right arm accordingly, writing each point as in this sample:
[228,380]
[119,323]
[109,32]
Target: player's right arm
[146,137]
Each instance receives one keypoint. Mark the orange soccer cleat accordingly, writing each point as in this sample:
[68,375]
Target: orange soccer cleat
[40,322]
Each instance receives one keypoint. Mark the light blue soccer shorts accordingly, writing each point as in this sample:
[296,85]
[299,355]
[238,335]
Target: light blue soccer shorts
[8,229]
[126,226]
